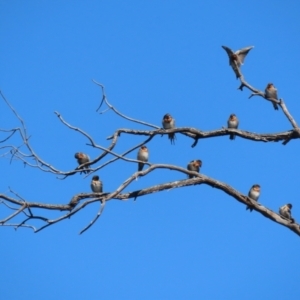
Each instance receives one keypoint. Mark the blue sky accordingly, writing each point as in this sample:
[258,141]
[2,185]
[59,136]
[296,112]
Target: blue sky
[153,57]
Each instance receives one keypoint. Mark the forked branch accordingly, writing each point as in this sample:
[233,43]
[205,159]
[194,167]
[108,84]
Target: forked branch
[19,208]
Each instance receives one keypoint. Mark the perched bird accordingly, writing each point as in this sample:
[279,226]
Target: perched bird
[271,93]
[169,123]
[96,184]
[81,159]
[232,122]
[194,165]
[236,59]
[142,155]
[254,194]
[285,211]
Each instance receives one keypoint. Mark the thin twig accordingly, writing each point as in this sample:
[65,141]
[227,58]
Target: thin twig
[96,218]
[104,99]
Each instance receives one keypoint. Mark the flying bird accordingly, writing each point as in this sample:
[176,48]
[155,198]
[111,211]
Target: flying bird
[96,184]
[285,211]
[142,155]
[81,159]
[232,122]
[271,93]
[254,194]
[169,123]
[194,165]
[237,58]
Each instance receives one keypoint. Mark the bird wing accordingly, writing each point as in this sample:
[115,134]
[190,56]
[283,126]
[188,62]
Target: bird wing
[242,53]
[229,52]
[273,93]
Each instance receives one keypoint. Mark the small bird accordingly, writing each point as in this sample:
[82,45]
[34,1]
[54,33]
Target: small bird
[285,211]
[81,159]
[169,123]
[96,184]
[232,122]
[271,93]
[142,155]
[236,59]
[194,165]
[254,194]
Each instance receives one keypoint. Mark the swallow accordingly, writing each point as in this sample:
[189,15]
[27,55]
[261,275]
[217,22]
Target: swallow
[254,194]
[236,59]
[96,184]
[142,155]
[285,211]
[271,93]
[232,122]
[194,165]
[169,123]
[82,159]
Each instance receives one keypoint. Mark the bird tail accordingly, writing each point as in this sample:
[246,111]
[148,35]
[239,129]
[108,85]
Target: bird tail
[172,138]
[248,207]
[140,167]
[275,106]
[86,170]
[237,71]
[232,136]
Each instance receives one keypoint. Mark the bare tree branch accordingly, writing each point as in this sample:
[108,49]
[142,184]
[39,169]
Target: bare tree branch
[18,206]
[280,102]
[104,99]
[117,195]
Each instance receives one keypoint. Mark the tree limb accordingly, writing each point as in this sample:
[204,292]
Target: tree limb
[20,207]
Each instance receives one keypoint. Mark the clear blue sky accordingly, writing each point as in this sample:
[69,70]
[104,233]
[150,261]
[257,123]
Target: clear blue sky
[153,57]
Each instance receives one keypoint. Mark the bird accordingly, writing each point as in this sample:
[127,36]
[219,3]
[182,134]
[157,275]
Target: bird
[194,165]
[82,159]
[96,184]
[142,155]
[271,93]
[254,194]
[232,122]
[236,58]
[285,211]
[168,122]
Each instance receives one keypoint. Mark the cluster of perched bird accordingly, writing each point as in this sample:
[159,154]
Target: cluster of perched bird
[96,184]
[284,211]
[236,59]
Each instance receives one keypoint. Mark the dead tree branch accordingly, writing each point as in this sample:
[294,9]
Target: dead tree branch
[20,208]
[73,207]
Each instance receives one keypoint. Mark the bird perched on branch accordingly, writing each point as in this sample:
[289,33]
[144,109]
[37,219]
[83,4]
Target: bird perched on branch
[285,211]
[82,159]
[169,123]
[194,165]
[271,93]
[237,58]
[96,184]
[254,194]
[232,122]
[142,155]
